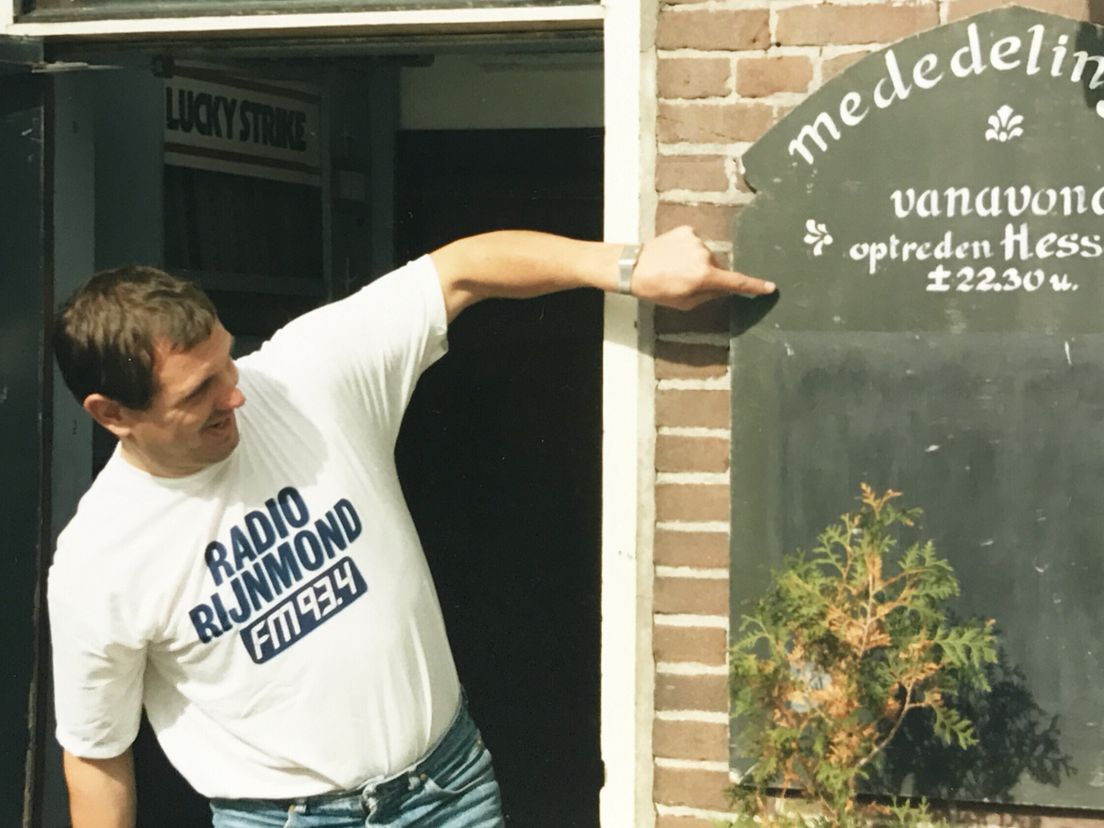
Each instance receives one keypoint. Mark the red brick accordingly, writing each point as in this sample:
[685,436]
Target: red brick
[678,453]
[875,23]
[708,694]
[833,66]
[1076,9]
[686,408]
[693,77]
[692,596]
[668,821]
[679,360]
[1023,816]
[717,29]
[760,76]
[697,741]
[701,173]
[694,503]
[690,645]
[712,317]
[704,789]
[713,222]
[712,123]
[701,549]
[782,110]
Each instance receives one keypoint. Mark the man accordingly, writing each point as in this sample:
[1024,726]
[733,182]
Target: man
[245,566]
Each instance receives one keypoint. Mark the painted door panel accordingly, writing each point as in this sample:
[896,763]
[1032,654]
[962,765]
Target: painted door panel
[24,291]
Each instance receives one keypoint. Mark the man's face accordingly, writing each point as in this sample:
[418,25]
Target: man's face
[190,423]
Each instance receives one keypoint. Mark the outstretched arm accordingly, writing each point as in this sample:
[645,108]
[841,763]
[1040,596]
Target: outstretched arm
[101,791]
[675,269]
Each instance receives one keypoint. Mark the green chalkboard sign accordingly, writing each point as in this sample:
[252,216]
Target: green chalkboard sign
[934,218]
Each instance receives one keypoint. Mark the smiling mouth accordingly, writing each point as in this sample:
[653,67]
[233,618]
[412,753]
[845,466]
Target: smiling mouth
[221,424]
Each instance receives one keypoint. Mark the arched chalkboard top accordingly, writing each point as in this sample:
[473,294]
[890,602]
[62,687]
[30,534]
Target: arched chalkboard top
[939,70]
[952,179]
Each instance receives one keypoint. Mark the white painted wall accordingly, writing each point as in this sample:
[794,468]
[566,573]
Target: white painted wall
[628,415]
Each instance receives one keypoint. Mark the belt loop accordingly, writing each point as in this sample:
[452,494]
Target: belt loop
[368,801]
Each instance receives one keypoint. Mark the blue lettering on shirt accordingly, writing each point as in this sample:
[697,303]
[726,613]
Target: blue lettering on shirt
[269,554]
[303,611]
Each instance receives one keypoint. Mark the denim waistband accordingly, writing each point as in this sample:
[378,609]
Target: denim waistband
[457,736]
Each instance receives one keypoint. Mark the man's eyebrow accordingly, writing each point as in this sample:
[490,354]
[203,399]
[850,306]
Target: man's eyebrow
[191,393]
[194,392]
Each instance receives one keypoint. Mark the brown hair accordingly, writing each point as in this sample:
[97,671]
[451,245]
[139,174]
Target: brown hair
[104,335]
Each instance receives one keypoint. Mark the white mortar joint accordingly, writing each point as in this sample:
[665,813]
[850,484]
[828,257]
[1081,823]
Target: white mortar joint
[692,574]
[685,620]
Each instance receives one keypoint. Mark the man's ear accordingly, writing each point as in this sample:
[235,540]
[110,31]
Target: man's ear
[110,414]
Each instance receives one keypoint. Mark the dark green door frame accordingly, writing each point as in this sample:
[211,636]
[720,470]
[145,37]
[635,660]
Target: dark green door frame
[25,296]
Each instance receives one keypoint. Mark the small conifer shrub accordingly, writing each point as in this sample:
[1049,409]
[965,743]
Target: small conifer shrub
[849,639]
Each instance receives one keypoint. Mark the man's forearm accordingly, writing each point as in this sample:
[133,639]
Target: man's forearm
[519,264]
[675,269]
[101,791]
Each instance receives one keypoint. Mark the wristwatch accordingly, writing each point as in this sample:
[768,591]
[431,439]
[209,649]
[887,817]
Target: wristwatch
[625,264]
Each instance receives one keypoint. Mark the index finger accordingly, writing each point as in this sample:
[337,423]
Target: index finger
[732,281]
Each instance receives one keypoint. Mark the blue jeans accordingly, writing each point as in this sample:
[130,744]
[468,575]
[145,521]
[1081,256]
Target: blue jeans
[454,786]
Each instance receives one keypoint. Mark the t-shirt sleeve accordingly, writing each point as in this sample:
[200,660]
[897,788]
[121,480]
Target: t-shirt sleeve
[370,347]
[98,671]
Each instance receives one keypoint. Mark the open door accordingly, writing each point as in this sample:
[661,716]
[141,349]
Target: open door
[25,296]
[499,457]
[534,576]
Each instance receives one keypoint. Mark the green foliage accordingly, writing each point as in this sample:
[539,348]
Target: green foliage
[849,639]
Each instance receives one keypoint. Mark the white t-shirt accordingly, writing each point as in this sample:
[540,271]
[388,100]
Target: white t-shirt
[274,611]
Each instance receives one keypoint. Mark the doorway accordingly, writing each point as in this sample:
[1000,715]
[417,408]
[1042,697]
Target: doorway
[500,460]
[502,445]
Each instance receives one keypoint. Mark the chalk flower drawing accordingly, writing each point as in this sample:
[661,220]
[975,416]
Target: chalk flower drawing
[1004,125]
[817,235]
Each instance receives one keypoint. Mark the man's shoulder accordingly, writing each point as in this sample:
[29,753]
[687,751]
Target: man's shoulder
[118,510]
[105,491]
[104,515]
[366,332]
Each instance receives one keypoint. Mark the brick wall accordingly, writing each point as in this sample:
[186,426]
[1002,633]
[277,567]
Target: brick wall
[726,71]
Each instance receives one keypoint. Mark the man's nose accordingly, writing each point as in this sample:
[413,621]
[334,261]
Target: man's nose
[235,399]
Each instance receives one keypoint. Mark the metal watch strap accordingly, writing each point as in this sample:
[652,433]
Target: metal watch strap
[625,265]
